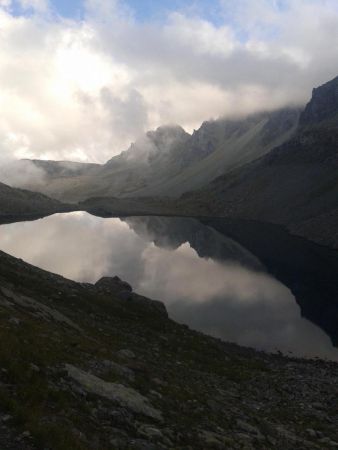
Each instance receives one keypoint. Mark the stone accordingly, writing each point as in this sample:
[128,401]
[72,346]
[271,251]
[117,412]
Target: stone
[141,444]
[125,353]
[126,397]
[119,370]
[318,405]
[311,433]
[247,428]
[214,440]
[26,434]
[38,309]
[34,367]
[6,418]
[150,432]
[14,321]
[153,306]
[112,285]
[118,443]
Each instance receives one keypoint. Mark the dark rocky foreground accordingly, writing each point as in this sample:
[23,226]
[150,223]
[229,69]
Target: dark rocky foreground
[99,367]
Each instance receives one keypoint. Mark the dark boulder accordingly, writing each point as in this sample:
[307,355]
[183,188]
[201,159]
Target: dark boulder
[123,291]
[112,285]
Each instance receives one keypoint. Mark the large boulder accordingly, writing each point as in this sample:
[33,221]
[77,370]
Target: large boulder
[117,393]
[123,291]
[112,285]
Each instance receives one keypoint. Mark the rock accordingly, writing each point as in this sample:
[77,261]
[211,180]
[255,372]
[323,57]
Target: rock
[118,443]
[120,370]
[126,397]
[26,435]
[250,429]
[159,382]
[125,353]
[318,405]
[113,285]
[14,321]
[311,433]
[38,309]
[154,306]
[327,442]
[323,105]
[6,418]
[151,433]
[214,440]
[155,394]
[34,367]
[120,418]
[141,444]
[286,434]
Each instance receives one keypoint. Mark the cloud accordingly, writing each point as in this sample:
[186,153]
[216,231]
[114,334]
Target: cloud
[35,5]
[20,174]
[84,89]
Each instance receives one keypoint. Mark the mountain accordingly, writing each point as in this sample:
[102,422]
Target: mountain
[208,243]
[295,184]
[21,203]
[95,366]
[222,145]
[169,161]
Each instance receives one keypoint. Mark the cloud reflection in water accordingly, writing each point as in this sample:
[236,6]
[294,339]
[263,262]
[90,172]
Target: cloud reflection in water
[223,297]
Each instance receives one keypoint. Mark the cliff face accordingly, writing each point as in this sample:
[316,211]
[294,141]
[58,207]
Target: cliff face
[323,105]
[93,367]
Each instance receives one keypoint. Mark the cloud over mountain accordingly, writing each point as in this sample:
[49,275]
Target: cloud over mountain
[84,88]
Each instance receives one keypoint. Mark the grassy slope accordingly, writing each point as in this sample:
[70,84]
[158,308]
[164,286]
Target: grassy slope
[19,202]
[234,152]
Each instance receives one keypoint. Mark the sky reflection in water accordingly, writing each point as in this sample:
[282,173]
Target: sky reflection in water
[220,293]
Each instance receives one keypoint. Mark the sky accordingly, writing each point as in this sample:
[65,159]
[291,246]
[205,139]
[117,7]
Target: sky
[82,79]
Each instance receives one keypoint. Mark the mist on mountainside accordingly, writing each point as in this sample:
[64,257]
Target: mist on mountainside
[169,161]
[21,173]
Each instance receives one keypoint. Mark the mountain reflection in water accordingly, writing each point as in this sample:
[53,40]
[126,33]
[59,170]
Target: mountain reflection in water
[206,279]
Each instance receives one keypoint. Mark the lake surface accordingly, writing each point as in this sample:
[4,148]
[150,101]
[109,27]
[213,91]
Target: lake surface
[207,279]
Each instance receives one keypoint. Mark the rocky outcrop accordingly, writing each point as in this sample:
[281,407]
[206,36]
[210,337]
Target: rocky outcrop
[323,105]
[117,393]
[115,286]
[37,309]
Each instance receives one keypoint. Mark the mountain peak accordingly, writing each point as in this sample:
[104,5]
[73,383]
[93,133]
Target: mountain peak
[166,132]
[323,104]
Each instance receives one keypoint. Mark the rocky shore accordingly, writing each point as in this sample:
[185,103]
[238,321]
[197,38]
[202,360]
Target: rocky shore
[99,367]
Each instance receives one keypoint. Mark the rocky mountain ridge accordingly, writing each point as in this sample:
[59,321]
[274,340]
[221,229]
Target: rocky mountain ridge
[169,161]
[295,184]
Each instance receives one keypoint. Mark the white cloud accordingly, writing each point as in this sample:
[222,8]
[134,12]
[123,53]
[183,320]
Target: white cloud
[36,5]
[5,3]
[199,36]
[85,89]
